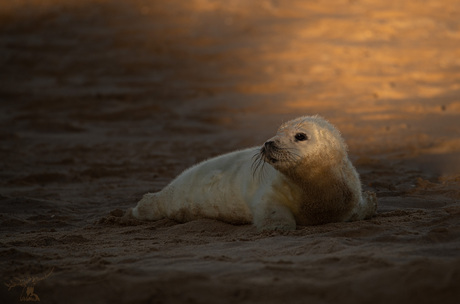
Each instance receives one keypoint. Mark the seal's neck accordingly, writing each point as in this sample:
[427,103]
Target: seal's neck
[325,192]
[316,174]
[318,170]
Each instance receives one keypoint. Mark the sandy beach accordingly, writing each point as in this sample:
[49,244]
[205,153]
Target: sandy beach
[103,101]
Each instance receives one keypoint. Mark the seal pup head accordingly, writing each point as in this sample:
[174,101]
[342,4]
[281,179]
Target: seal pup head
[302,143]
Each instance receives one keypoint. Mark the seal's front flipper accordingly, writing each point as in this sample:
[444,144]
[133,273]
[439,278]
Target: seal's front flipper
[366,208]
[274,218]
[370,199]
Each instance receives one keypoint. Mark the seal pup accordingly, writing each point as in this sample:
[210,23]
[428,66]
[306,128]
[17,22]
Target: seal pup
[301,176]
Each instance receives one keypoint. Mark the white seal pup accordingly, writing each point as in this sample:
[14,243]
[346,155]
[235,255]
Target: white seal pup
[301,176]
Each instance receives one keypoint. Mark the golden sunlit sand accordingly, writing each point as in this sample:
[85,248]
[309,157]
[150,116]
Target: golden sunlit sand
[103,101]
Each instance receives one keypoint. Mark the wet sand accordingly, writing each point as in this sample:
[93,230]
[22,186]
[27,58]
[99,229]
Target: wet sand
[103,101]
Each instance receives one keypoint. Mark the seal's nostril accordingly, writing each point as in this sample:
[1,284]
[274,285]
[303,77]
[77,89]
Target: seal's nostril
[269,144]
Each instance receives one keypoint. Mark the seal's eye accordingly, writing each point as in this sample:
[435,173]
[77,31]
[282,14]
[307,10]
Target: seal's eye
[301,136]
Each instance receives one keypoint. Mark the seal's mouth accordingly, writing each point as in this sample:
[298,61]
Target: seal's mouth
[266,154]
[272,160]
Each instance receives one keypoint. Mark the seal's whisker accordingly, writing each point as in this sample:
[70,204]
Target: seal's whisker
[256,163]
[254,158]
[256,155]
[254,167]
[290,154]
[284,154]
[262,174]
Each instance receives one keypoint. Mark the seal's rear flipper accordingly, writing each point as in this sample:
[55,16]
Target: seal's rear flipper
[147,208]
[128,214]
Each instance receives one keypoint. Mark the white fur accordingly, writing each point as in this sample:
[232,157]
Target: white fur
[309,178]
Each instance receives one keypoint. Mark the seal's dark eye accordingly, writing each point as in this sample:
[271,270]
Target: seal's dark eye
[301,136]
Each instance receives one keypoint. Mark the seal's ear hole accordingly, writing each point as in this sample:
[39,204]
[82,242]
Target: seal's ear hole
[301,137]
